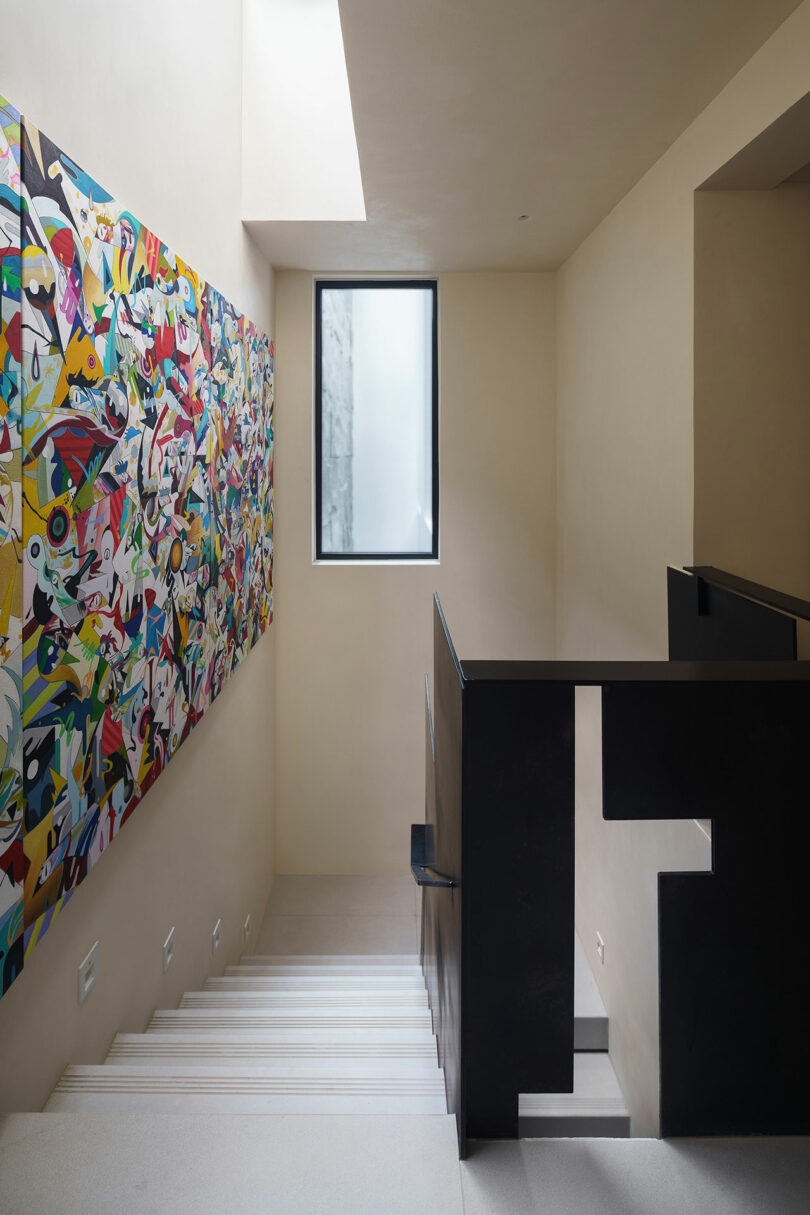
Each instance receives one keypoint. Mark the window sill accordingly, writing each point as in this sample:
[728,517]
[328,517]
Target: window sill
[379,561]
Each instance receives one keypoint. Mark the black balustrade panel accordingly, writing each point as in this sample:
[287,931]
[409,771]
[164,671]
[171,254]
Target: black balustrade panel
[719,740]
[733,980]
[498,944]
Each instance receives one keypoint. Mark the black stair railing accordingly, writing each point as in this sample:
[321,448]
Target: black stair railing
[681,739]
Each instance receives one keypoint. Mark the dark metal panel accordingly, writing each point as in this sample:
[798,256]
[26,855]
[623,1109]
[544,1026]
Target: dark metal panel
[733,987]
[518,916]
[714,623]
[589,673]
[441,907]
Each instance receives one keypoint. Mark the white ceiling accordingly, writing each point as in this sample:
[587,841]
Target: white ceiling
[469,113]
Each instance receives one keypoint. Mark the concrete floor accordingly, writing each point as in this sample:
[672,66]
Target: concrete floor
[140,1164]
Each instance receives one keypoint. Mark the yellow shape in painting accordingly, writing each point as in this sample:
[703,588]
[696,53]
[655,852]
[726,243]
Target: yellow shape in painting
[59,783]
[36,514]
[81,363]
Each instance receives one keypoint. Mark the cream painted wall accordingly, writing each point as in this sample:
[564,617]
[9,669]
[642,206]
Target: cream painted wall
[625,506]
[147,97]
[752,384]
[355,641]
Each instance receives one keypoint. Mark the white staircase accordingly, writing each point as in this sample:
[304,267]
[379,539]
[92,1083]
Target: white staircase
[325,1034]
[277,1035]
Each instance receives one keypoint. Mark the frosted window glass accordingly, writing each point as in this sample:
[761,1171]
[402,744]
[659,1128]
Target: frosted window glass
[376,420]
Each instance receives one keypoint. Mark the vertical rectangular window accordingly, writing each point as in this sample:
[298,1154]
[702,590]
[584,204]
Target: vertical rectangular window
[376,420]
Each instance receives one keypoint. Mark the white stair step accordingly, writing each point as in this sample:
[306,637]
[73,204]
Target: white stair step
[238,977]
[295,1019]
[225,1049]
[300,1066]
[249,965]
[220,1091]
[595,1108]
[332,960]
[353,1037]
[338,1002]
[590,1017]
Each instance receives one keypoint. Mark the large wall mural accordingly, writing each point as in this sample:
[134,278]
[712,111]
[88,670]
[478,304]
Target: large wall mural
[136,518]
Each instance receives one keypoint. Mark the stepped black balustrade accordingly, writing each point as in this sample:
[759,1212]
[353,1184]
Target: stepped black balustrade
[720,740]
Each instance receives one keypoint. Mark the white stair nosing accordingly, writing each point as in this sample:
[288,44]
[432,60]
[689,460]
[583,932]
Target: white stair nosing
[380,1105]
[251,1047]
[309,1069]
[221,1090]
[236,980]
[315,970]
[296,1036]
[330,959]
[371,995]
[243,1019]
[306,1003]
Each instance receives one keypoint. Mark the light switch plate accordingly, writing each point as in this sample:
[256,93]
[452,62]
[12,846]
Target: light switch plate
[88,971]
[168,950]
[216,936]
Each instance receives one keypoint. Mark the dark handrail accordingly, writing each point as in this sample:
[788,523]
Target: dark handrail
[789,604]
[421,858]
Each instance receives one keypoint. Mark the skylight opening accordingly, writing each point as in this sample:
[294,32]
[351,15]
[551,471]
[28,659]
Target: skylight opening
[299,152]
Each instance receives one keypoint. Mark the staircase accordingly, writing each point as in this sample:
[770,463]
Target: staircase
[277,1035]
[323,1034]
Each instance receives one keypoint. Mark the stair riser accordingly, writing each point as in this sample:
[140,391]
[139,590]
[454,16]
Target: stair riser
[305,1067]
[196,1103]
[204,1019]
[318,971]
[574,1128]
[231,1001]
[334,961]
[387,984]
[296,1038]
[591,1033]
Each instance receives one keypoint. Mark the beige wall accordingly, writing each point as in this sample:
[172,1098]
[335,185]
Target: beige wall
[752,384]
[355,641]
[147,97]
[625,507]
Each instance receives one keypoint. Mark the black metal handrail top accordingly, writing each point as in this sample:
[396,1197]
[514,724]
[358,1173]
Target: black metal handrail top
[789,604]
[584,672]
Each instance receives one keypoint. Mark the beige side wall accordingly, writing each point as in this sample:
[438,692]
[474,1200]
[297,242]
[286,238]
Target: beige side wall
[147,97]
[752,384]
[355,641]
[625,507]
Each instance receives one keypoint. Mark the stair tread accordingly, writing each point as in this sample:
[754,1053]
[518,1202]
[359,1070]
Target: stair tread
[314,1070]
[314,970]
[242,1090]
[300,1067]
[351,1037]
[370,995]
[333,959]
[307,1001]
[237,1018]
[237,979]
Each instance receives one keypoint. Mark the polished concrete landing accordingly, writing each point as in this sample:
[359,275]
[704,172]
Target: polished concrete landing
[638,1177]
[179,1164]
[340,914]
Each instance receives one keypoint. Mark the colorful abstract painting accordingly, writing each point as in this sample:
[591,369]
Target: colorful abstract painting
[137,518]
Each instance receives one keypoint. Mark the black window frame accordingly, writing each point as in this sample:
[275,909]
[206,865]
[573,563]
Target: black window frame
[382,285]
